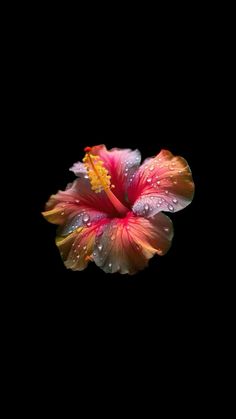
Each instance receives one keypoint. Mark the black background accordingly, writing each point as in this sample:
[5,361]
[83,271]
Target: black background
[172,289]
[146,101]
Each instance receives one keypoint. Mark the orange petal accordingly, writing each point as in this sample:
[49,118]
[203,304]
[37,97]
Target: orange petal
[128,243]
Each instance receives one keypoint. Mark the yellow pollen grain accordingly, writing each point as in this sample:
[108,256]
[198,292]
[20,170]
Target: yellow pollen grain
[98,176]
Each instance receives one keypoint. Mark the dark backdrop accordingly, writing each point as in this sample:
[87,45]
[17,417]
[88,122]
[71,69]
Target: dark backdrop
[173,287]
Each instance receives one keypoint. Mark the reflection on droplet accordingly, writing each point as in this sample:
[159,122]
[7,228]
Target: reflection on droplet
[110,265]
[86,218]
[77,201]
[86,177]
[85,247]
[78,256]
[149,180]
[100,246]
[175,201]
[166,192]
[171,208]
[62,213]
[151,168]
[166,229]
[146,207]
[158,182]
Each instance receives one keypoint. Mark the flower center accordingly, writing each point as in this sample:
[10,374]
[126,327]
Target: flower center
[100,179]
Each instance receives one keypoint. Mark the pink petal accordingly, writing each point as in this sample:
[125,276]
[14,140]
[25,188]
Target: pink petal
[128,243]
[75,207]
[121,165]
[162,183]
[76,249]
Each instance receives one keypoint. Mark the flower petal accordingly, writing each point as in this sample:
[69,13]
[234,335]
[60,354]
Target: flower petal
[76,249]
[127,243]
[75,207]
[121,165]
[163,183]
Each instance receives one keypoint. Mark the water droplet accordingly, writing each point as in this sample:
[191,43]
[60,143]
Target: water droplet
[158,205]
[128,228]
[151,168]
[137,159]
[78,256]
[166,192]
[94,254]
[89,224]
[86,218]
[149,180]
[180,171]
[158,182]
[85,247]
[171,208]
[166,229]
[100,246]
[86,177]
[62,213]
[110,265]
[77,201]
[113,237]
[146,207]
[175,201]
[175,182]
[126,174]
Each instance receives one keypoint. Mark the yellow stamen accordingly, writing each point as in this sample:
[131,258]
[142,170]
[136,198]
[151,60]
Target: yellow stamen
[98,175]
[100,179]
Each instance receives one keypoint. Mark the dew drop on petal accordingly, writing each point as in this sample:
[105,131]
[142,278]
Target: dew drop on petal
[94,254]
[175,201]
[149,180]
[166,192]
[78,256]
[85,247]
[110,265]
[86,177]
[100,246]
[86,218]
[166,229]
[151,168]
[89,224]
[77,201]
[62,213]
[146,207]
[158,182]
[171,208]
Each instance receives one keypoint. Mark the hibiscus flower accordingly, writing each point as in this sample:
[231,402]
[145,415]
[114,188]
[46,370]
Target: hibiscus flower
[112,213]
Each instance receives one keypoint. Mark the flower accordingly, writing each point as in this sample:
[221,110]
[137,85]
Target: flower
[112,213]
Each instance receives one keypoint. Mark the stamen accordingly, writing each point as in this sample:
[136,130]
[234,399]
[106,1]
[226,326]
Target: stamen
[100,179]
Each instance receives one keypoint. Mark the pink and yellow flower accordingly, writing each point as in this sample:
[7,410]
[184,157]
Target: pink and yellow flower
[112,213]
